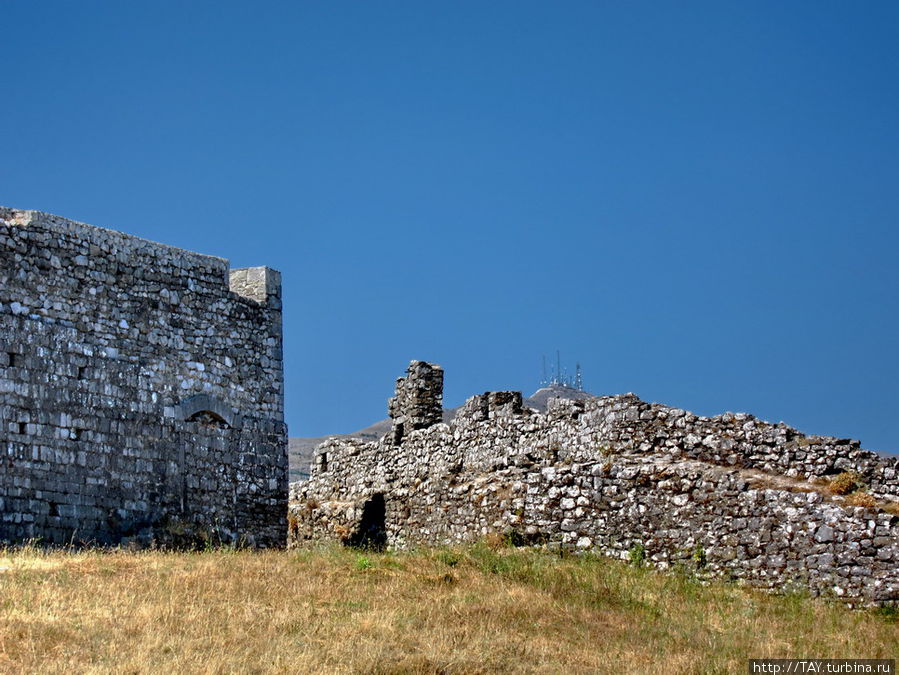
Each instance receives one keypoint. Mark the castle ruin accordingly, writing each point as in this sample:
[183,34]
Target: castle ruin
[729,496]
[142,391]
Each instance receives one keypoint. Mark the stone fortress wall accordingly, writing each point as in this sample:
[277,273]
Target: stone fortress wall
[729,496]
[141,391]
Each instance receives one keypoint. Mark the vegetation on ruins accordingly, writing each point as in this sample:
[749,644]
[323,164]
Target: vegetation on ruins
[845,483]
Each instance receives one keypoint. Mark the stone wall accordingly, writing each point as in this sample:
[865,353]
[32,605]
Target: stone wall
[141,389]
[726,496]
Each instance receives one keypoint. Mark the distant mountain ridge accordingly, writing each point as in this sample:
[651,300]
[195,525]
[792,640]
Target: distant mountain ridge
[301,450]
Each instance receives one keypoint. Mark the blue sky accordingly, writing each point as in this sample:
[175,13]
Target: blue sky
[696,201]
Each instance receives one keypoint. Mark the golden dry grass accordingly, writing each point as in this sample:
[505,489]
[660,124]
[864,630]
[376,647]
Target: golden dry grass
[844,483]
[455,611]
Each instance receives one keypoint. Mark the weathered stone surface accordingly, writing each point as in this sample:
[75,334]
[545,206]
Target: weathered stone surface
[729,496]
[141,390]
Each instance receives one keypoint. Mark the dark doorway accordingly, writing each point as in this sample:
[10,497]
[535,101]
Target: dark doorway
[372,531]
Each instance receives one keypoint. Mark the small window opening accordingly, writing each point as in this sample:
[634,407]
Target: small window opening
[75,433]
[323,462]
[81,372]
[12,357]
[23,428]
[372,531]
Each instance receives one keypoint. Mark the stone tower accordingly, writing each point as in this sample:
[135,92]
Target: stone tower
[141,391]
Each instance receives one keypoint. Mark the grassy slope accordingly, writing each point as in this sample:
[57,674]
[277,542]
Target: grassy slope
[337,610]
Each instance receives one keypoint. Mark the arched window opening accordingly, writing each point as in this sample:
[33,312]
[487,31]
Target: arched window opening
[207,418]
[207,411]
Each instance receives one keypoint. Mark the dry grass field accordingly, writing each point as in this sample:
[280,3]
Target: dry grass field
[470,610]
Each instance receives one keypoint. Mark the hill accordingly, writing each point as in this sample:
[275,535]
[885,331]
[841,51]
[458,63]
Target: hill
[469,610]
[300,450]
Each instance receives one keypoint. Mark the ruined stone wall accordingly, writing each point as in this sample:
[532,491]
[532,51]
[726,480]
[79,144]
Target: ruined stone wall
[141,390]
[726,496]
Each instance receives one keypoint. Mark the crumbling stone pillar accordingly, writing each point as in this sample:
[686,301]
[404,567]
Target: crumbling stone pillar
[418,403]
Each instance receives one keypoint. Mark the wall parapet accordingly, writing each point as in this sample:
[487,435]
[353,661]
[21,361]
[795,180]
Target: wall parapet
[110,242]
[262,284]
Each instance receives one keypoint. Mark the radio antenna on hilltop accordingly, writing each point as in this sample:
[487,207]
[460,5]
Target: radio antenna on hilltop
[560,377]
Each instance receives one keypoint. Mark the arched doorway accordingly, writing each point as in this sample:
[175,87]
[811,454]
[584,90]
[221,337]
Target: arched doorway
[371,533]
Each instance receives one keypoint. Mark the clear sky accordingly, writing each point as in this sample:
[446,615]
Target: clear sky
[697,201]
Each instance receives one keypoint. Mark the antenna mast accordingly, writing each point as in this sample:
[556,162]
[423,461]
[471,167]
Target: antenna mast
[557,377]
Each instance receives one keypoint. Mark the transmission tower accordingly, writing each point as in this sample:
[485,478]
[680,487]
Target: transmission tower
[558,377]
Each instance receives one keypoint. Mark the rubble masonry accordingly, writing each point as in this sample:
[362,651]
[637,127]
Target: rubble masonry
[728,496]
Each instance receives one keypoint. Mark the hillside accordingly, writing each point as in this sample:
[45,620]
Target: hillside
[337,610]
[301,449]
